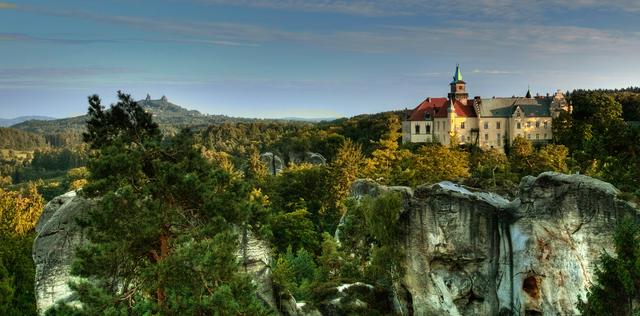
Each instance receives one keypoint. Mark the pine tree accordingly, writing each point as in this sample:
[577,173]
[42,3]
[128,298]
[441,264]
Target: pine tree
[162,237]
[617,287]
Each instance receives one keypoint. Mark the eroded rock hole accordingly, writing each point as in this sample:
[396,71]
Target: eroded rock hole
[530,285]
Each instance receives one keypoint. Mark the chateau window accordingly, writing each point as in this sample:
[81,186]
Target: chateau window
[537,124]
[537,136]
[486,125]
[486,137]
[545,124]
[417,129]
[461,125]
[528,124]
[545,136]
[428,129]
[498,126]
[498,139]
[518,125]
[463,138]
[438,126]
[529,136]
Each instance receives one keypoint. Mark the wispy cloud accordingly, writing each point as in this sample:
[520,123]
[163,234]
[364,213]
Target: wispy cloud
[495,72]
[20,37]
[505,9]
[59,72]
[482,37]
[6,5]
[364,8]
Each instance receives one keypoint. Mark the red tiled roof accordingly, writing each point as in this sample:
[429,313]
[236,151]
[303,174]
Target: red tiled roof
[465,110]
[427,106]
[437,107]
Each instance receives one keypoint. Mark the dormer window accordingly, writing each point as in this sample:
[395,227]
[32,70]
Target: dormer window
[427,115]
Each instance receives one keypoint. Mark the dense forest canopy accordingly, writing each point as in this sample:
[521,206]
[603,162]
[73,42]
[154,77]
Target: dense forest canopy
[194,189]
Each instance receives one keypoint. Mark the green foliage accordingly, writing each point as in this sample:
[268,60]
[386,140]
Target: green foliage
[11,138]
[163,208]
[526,160]
[124,122]
[345,168]
[363,129]
[295,273]
[599,142]
[617,291]
[300,195]
[294,229]
[434,163]
[17,296]
[19,211]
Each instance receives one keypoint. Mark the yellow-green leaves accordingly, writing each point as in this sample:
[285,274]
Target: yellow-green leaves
[20,210]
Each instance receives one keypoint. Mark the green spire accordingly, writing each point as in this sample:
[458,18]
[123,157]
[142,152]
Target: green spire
[458,75]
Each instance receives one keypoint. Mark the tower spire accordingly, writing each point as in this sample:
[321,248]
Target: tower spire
[457,76]
[528,96]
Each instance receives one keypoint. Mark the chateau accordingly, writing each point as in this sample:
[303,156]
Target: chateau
[488,122]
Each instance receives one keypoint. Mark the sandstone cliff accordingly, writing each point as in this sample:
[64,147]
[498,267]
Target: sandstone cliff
[475,253]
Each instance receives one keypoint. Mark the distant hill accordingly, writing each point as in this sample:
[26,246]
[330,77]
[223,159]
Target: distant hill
[13,121]
[312,120]
[171,118]
[20,140]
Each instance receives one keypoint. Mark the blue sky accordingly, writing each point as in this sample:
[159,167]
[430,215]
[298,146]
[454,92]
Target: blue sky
[327,58]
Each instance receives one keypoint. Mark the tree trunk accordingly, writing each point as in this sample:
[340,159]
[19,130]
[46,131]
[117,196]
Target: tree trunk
[164,252]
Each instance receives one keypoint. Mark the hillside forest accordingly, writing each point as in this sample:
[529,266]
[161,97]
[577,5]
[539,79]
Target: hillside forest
[190,184]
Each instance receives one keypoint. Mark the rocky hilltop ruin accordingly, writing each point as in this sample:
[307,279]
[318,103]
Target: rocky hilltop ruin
[467,252]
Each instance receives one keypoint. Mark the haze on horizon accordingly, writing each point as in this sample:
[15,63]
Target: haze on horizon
[294,58]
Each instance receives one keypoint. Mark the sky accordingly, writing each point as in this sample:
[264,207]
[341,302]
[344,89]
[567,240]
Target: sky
[295,58]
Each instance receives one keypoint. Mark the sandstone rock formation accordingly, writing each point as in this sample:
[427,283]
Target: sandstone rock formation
[58,235]
[466,252]
[475,253]
[274,163]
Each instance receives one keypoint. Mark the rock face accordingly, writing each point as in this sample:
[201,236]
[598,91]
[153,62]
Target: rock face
[475,253]
[54,248]
[58,236]
[255,258]
[274,163]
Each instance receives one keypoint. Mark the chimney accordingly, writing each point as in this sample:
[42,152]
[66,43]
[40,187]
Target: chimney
[429,99]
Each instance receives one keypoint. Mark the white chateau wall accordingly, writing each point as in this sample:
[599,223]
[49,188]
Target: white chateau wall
[530,130]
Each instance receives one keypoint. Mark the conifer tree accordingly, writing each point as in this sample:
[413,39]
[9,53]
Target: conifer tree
[617,287]
[162,236]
